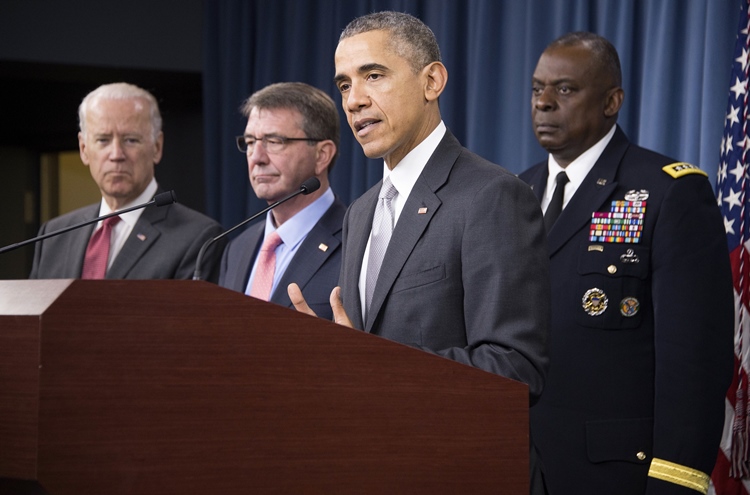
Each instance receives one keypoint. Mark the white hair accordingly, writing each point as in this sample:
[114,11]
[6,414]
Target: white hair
[121,91]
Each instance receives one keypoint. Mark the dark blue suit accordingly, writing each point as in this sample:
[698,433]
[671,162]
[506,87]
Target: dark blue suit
[622,390]
[313,268]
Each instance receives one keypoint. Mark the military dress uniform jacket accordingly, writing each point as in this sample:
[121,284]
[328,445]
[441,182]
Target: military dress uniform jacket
[163,244]
[641,338]
[315,266]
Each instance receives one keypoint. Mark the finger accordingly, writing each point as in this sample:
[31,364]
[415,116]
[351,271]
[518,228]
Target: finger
[298,300]
[339,313]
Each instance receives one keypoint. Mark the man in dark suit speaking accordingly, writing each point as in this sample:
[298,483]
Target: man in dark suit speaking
[292,134]
[121,141]
[642,306]
[447,253]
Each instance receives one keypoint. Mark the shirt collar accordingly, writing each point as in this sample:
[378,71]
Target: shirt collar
[578,169]
[295,229]
[132,217]
[406,173]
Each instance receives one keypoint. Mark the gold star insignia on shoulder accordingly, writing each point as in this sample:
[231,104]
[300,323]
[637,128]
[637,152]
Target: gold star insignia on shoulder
[680,169]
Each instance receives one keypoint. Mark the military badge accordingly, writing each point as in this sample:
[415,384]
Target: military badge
[629,257]
[623,223]
[629,306]
[680,169]
[594,302]
[634,195]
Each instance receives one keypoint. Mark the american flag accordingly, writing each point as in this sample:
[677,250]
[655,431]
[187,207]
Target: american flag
[731,475]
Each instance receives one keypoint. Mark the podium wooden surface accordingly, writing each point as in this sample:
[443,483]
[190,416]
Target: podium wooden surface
[184,387]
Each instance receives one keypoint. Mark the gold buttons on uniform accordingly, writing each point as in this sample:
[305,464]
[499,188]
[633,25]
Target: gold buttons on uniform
[612,269]
[641,455]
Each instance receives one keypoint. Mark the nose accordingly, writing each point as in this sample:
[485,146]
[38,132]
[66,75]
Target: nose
[116,150]
[259,155]
[356,98]
[545,100]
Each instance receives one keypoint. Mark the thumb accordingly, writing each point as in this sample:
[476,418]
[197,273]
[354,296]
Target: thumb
[298,300]
[339,313]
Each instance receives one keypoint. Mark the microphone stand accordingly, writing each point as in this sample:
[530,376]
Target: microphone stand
[161,199]
[310,185]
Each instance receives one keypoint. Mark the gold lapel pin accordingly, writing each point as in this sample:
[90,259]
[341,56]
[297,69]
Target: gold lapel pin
[141,237]
[323,247]
[422,211]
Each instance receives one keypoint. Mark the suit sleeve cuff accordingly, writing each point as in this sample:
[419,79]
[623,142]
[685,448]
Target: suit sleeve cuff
[680,475]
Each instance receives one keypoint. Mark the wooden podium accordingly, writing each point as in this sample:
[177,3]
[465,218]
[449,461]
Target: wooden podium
[157,387]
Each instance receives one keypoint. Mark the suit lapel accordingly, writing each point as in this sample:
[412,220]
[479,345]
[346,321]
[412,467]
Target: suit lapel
[538,181]
[594,191]
[310,258]
[250,248]
[143,235]
[359,225]
[78,241]
[411,223]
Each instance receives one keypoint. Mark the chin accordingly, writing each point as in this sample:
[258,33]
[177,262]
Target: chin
[372,150]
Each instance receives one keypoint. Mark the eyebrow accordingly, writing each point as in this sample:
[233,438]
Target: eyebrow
[555,82]
[362,69]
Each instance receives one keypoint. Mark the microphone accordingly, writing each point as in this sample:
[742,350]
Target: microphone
[309,186]
[161,199]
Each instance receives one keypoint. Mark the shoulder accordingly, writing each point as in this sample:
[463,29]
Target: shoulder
[531,172]
[658,171]
[88,212]
[251,233]
[181,213]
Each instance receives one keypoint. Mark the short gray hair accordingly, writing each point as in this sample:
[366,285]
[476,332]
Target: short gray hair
[604,52]
[121,91]
[320,117]
[410,38]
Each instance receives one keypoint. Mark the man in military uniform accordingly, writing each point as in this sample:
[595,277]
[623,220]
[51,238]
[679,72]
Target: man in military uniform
[642,305]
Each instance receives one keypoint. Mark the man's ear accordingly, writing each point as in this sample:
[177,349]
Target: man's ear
[82,149]
[324,154]
[436,77]
[615,96]
[158,147]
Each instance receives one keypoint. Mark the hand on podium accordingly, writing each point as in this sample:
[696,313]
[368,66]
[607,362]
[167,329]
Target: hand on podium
[339,314]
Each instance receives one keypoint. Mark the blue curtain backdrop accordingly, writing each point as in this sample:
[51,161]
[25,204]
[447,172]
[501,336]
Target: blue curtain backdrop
[676,57]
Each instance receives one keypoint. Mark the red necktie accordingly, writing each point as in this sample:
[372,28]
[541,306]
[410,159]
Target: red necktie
[264,271]
[97,253]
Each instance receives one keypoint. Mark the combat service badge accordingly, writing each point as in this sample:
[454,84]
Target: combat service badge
[594,302]
[629,306]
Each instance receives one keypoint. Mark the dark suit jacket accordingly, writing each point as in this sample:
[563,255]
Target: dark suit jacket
[623,390]
[316,271]
[465,274]
[163,244]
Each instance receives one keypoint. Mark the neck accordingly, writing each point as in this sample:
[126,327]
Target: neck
[287,210]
